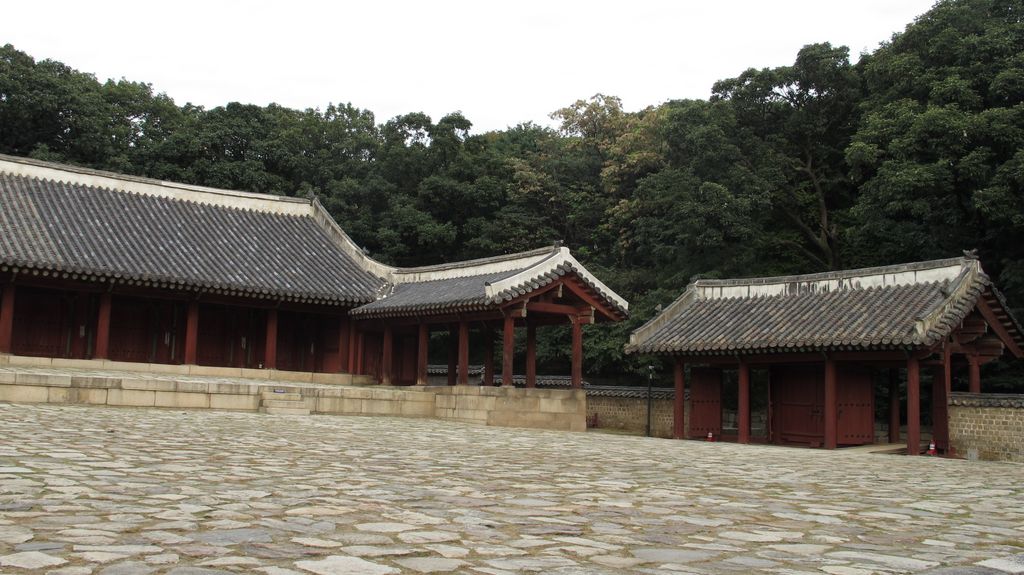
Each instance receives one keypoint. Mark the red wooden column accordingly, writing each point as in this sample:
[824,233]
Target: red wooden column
[744,403]
[191,332]
[913,406]
[974,374]
[344,347]
[531,355]
[463,353]
[353,347]
[102,349]
[577,352]
[831,397]
[361,353]
[422,347]
[270,355]
[679,404]
[894,406]
[940,427]
[387,360]
[453,353]
[508,348]
[488,357]
[6,318]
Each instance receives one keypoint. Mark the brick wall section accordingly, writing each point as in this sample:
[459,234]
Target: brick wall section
[987,426]
[630,414]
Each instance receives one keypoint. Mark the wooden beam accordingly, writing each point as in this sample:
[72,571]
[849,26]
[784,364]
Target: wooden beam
[913,406]
[531,355]
[591,300]
[555,308]
[678,404]
[7,317]
[422,348]
[508,344]
[756,360]
[831,404]
[270,355]
[998,328]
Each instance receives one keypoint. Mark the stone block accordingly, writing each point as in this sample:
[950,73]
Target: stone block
[90,396]
[364,380]
[475,415]
[210,371]
[192,386]
[96,382]
[235,402]
[43,379]
[251,373]
[284,410]
[297,376]
[332,378]
[148,384]
[58,395]
[131,397]
[24,393]
[381,407]
[417,409]
[77,363]
[125,365]
[233,388]
[182,400]
[7,376]
[28,361]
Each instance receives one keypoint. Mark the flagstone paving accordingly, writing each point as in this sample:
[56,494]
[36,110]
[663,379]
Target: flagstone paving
[124,491]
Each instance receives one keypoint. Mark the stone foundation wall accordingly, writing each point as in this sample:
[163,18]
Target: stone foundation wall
[987,426]
[559,409]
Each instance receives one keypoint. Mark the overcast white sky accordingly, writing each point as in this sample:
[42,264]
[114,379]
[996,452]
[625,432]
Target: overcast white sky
[500,63]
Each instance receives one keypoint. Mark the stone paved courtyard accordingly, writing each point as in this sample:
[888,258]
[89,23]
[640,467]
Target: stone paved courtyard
[105,490]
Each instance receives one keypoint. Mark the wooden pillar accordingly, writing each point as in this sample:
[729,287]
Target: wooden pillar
[191,332]
[463,353]
[913,406]
[488,357]
[453,353]
[679,404]
[387,360]
[508,349]
[940,426]
[531,355]
[102,347]
[422,349]
[577,352]
[7,318]
[344,336]
[743,403]
[974,374]
[894,406]
[831,405]
[270,355]
[353,347]
[361,353]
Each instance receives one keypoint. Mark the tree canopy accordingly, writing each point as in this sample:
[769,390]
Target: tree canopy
[914,151]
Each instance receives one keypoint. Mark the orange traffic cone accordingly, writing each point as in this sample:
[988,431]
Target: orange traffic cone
[931,449]
[711,436]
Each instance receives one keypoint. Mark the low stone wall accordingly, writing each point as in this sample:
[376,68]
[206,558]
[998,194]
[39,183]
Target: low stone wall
[557,409]
[630,414]
[987,426]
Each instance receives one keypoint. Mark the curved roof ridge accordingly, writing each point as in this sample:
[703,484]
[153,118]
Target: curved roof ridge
[466,268]
[77,175]
[837,274]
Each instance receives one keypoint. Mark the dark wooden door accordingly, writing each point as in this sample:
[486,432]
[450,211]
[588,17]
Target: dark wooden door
[798,398]
[856,409]
[41,323]
[705,402]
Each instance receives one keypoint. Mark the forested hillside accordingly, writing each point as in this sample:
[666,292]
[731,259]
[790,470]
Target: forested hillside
[914,151]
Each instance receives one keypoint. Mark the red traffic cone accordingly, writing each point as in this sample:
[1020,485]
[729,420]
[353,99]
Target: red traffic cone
[711,436]
[931,449]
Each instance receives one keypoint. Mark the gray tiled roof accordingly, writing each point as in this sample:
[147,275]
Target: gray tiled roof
[82,231]
[904,306]
[483,284]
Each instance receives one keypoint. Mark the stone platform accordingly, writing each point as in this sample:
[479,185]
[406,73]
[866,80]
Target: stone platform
[558,409]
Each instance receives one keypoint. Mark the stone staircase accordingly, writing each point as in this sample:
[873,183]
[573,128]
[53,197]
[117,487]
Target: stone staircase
[282,403]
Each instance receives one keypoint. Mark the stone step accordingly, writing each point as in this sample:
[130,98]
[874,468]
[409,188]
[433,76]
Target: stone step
[282,403]
[288,396]
[364,380]
[285,410]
